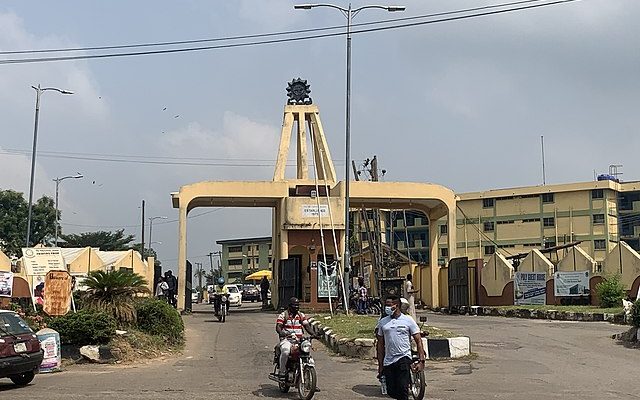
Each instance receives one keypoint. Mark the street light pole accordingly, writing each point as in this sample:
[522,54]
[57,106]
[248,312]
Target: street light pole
[57,181]
[349,13]
[39,92]
[151,229]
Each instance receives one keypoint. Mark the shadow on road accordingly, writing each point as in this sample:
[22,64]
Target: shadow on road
[369,391]
[273,392]
[5,387]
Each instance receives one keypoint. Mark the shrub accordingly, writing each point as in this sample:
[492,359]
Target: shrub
[156,317]
[85,327]
[635,314]
[114,292]
[610,292]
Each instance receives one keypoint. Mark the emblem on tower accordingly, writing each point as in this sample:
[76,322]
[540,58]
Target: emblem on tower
[298,91]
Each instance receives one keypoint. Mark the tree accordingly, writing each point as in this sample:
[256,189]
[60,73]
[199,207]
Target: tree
[14,211]
[114,292]
[104,240]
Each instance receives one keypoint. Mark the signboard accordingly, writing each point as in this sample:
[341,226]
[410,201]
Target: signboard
[39,260]
[50,344]
[571,283]
[310,210]
[58,300]
[6,284]
[327,279]
[530,288]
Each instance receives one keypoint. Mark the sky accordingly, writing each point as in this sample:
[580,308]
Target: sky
[461,103]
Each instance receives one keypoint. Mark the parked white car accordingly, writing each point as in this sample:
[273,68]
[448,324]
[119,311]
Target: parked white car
[235,297]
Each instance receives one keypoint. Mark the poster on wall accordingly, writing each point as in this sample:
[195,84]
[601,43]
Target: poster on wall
[571,283]
[37,261]
[37,285]
[327,279]
[530,288]
[6,283]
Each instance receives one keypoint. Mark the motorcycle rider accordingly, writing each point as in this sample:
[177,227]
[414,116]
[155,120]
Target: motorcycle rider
[291,321]
[219,291]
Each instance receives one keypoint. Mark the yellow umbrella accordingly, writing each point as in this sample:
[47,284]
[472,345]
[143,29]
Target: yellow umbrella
[259,274]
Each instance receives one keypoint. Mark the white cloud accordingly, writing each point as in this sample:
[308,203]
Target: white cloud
[238,138]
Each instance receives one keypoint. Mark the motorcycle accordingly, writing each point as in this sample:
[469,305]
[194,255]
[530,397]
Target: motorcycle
[223,309]
[418,384]
[301,371]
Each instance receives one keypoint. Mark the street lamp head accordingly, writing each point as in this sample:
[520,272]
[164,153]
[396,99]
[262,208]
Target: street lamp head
[65,91]
[78,176]
[303,6]
[396,8]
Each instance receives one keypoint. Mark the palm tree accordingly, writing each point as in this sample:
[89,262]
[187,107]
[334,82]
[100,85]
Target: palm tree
[200,274]
[114,292]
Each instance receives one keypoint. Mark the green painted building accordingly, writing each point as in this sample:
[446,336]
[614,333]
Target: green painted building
[242,257]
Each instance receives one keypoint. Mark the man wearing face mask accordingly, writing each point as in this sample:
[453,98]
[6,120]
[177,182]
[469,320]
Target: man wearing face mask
[394,334]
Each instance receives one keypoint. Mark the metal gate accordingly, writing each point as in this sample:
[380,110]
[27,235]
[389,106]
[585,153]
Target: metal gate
[288,281]
[459,282]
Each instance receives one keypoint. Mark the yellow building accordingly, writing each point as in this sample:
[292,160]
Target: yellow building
[517,220]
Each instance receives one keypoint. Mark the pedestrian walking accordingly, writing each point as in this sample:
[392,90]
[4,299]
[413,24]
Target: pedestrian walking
[264,291]
[161,289]
[362,296]
[409,292]
[394,333]
[172,287]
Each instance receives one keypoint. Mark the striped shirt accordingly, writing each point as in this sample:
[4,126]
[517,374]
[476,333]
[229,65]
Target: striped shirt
[292,323]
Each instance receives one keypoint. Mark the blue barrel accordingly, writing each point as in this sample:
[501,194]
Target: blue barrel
[50,343]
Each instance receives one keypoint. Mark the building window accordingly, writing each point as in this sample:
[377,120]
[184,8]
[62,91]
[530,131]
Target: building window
[444,252]
[443,229]
[598,219]
[548,245]
[488,250]
[597,194]
[548,222]
[489,226]
[488,203]
[235,261]
[270,260]
[548,198]
[600,244]
[598,267]
[235,249]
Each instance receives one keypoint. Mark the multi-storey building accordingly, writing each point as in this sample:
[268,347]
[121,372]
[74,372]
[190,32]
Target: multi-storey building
[517,220]
[242,257]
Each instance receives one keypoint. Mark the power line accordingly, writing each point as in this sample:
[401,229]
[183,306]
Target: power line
[276,41]
[117,159]
[138,225]
[258,35]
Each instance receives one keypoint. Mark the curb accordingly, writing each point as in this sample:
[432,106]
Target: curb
[555,315]
[436,348]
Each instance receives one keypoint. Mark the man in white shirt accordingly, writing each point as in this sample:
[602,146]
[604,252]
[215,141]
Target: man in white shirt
[409,292]
[394,334]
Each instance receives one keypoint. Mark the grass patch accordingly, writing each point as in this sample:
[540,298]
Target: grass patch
[363,326]
[582,309]
[136,346]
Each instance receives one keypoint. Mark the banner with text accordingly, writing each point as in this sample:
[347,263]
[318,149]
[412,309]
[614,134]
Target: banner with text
[38,261]
[327,279]
[6,283]
[571,283]
[530,288]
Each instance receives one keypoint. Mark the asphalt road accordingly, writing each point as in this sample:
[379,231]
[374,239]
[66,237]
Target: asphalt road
[516,359]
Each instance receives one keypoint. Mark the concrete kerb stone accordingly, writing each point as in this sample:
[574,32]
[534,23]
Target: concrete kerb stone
[365,348]
[540,314]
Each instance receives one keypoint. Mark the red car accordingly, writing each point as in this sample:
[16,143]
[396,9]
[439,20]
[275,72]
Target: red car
[20,353]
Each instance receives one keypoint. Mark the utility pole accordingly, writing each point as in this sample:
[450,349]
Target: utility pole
[142,241]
